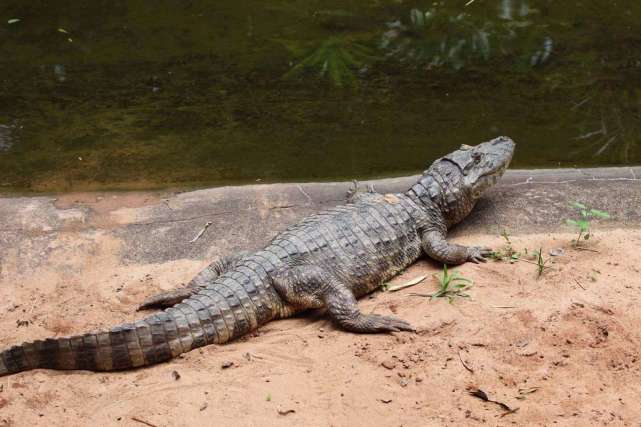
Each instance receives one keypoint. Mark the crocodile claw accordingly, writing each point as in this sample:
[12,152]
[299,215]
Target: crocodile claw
[477,254]
[378,323]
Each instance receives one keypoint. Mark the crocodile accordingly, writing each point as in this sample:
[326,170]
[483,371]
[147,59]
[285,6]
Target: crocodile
[327,260]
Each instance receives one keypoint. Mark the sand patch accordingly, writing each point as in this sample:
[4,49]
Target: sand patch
[563,347]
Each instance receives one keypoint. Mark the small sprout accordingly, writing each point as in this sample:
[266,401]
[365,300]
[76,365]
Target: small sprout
[541,263]
[583,221]
[268,398]
[507,253]
[451,285]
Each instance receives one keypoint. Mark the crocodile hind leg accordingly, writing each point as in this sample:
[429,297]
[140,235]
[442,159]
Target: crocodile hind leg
[168,298]
[342,308]
[202,279]
[307,286]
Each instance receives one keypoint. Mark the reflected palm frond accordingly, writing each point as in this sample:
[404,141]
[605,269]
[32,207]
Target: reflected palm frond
[337,59]
[437,38]
[609,125]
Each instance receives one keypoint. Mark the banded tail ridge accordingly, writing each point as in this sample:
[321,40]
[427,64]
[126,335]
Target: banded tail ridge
[157,338]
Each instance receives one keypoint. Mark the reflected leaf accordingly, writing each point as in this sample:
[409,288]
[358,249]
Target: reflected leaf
[60,72]
[541,56]
[7,138]
[338,13]
[608,123]
[336,59]
[435,38]
[438,37]
[506,9]
[517,24]
[483,40]
[417,17]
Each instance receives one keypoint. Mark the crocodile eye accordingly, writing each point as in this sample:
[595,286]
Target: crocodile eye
[477,156]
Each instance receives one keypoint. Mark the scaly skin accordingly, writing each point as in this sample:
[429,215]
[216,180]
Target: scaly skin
[327,260]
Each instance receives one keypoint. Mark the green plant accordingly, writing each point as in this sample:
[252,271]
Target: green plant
[451,285]
[541,263]
[585,215]
[336,59]
[444,36]
[507,253]
[437,38]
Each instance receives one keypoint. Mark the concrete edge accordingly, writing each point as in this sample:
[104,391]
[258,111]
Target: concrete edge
[158,226]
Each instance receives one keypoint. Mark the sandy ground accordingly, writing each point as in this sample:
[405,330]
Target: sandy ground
[563,348]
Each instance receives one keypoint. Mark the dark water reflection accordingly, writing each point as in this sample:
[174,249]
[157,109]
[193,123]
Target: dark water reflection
[142,94]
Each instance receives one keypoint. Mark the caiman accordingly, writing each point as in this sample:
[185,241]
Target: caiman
[327,260]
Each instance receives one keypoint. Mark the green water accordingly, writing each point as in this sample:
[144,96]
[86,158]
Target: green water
[152,94]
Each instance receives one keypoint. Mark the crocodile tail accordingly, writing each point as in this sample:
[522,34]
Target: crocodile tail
[155,339]
[213,315]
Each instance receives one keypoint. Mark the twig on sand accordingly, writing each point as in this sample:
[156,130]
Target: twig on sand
[580,248]
[138,420]
[579,283]
[534,263]
[477,392]
[201,232]
[414,281]
[464,364]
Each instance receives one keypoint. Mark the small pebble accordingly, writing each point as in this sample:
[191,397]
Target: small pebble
[282,411]
[389,364]
[556,252]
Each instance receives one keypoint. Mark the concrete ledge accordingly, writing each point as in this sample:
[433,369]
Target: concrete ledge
[158,226]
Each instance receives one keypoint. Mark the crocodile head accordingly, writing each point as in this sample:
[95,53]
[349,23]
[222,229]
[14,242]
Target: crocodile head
[456,181]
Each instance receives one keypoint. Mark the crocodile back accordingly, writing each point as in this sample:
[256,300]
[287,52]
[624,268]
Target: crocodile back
[362,244]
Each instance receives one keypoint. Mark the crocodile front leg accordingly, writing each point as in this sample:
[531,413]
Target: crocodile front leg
[436,247]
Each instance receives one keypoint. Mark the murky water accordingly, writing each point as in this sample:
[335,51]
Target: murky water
[147,94]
